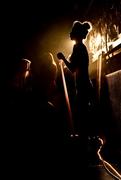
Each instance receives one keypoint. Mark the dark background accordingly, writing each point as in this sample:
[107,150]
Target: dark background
[28,28]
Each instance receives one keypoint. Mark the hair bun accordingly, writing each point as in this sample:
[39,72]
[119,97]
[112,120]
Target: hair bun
[87,25]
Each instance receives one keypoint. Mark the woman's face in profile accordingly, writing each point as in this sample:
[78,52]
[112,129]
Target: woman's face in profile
[72,36]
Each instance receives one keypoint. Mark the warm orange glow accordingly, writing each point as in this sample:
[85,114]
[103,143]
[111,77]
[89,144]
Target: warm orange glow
[26,74]
[68,46]
[97,45]
[99,76]
[53,61]
[73,42]
[98,40]
[117,42]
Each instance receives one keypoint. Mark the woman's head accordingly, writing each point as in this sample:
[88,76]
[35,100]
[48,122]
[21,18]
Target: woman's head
[80,30]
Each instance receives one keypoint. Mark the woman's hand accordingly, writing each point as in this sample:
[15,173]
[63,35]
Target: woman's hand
[60,56]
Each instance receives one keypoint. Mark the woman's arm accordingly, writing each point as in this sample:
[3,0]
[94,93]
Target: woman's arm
[67,63]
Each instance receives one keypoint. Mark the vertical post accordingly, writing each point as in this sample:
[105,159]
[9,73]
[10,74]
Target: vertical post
[70,120]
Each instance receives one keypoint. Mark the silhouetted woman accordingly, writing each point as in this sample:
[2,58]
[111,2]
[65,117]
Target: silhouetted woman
[78,64]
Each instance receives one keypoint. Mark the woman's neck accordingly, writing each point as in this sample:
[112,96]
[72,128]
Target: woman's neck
[78,41]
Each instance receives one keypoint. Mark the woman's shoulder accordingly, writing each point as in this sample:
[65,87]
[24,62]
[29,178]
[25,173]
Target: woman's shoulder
[79,45]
